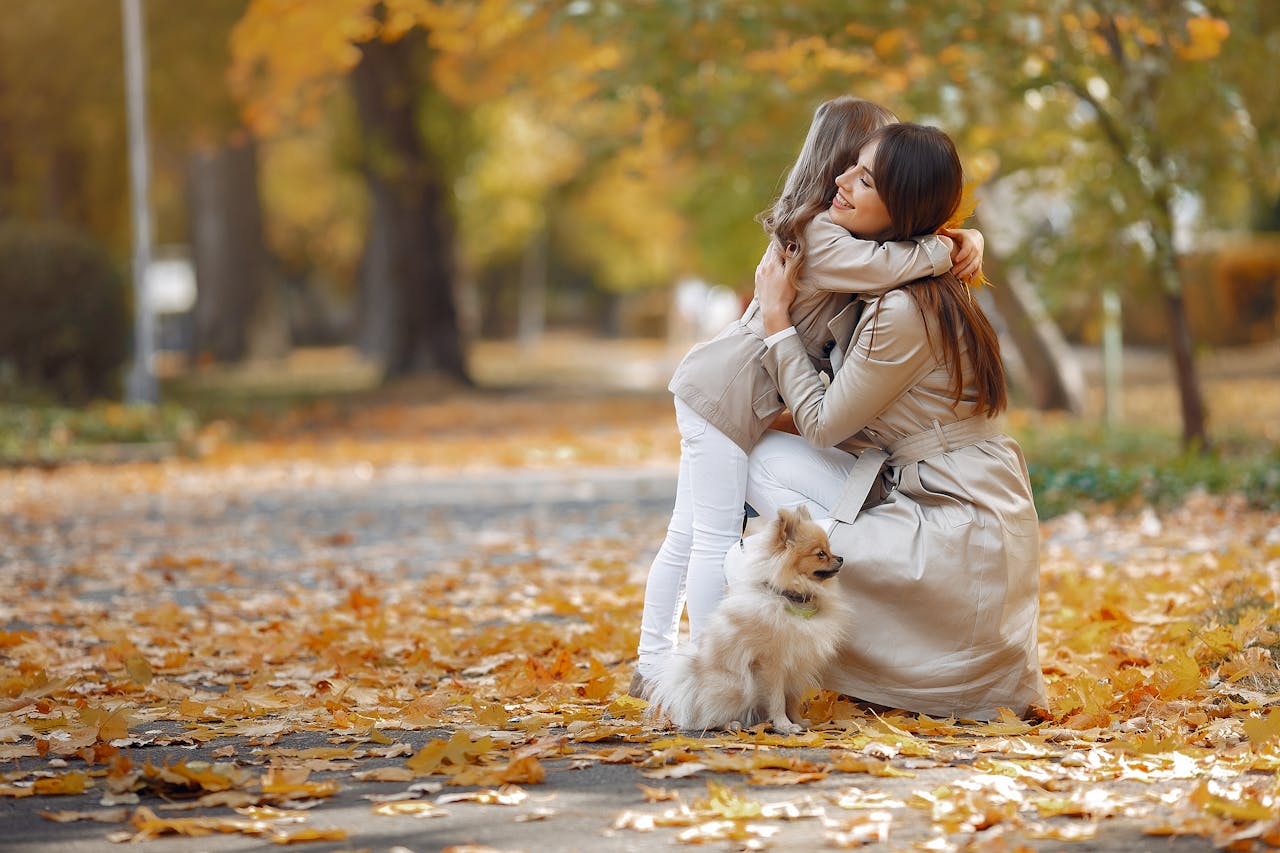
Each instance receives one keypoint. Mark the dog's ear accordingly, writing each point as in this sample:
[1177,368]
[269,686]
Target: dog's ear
[788,521]
[802,513]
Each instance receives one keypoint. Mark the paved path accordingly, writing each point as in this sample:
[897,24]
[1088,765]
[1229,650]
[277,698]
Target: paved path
[269,520]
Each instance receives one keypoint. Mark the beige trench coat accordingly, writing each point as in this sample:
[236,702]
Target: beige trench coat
[943,572]
[723,380]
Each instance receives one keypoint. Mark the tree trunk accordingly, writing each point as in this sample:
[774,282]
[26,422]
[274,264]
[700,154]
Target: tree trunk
[8,166]
[1169,274]
[1054,377]
[65,199]
[1194,432]
[408,317]
[233,283]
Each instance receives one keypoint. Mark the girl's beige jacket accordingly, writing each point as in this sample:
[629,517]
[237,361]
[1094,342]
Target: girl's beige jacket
[723,379]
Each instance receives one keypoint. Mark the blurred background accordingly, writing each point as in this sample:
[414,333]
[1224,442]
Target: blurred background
[429,199]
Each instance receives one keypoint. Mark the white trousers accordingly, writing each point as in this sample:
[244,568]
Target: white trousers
[785,472]
[706,520]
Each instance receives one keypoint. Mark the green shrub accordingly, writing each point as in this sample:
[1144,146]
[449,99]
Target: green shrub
[65,322]
[1074,466]
[50,435]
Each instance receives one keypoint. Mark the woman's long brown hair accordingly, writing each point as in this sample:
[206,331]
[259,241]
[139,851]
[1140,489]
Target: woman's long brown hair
[839,128]
[919,177]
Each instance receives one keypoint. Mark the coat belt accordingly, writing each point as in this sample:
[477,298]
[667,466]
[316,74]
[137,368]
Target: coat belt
[906,451]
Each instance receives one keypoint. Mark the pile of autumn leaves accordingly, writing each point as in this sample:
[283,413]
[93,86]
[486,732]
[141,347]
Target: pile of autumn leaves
[1159,642]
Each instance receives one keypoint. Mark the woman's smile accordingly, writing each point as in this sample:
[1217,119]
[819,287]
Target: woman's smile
[857,206]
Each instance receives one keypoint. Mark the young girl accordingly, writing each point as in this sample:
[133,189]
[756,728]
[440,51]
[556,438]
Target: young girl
[725,400]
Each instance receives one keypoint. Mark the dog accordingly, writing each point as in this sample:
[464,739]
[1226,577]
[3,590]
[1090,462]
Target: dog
[777,629]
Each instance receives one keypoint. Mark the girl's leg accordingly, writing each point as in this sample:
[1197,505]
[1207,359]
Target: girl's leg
[665,589]
[717,487]
[785,472]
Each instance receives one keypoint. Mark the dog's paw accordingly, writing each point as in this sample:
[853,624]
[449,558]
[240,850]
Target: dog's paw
[734,727]
[787,727]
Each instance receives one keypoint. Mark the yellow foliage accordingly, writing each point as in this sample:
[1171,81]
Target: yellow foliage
[1205,35]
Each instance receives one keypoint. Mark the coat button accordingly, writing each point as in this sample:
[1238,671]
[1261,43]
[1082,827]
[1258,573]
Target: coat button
[828,347]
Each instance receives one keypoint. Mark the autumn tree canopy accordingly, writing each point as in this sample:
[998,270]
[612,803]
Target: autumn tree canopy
[636,142]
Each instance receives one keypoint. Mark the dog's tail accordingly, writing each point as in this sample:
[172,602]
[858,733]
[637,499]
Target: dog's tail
[696,695]
[671,689]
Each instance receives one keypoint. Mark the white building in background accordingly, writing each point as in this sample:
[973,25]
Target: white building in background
[699,310]
[171,296]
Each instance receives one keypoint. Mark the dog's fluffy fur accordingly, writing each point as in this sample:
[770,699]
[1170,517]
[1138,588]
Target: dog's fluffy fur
[779,626]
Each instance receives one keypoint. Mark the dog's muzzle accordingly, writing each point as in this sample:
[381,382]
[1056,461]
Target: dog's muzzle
[830,573]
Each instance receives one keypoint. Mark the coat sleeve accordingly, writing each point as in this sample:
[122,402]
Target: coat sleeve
[838,261]
[891,354]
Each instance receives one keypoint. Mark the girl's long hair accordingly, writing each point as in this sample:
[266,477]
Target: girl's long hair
[839,128]
[918,175]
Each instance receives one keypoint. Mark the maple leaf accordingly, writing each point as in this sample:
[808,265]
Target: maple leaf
[1263,730]
[292,781]
[411,808]
[71,782]
[195,775]
[138,668]
[507,795]
[658,795]
[869,765]
[724,801]
[446,756]
[524,769]
[386,774]
[97,815]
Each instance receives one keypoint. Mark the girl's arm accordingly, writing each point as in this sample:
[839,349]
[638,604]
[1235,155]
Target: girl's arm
[966,257]
[838,261]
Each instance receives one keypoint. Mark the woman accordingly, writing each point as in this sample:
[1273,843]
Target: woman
[942,563]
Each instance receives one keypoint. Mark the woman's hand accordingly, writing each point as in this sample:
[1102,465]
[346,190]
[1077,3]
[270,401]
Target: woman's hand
[966,256]
[774,291]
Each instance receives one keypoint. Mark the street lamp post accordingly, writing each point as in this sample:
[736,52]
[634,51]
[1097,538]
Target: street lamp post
[141,383]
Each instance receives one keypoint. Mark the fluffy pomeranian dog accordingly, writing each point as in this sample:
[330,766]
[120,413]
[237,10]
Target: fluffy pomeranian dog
[779,625]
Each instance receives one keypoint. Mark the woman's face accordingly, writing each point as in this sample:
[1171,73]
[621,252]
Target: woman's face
[857,206]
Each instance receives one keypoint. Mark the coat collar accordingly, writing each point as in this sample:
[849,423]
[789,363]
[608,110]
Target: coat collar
[846,325]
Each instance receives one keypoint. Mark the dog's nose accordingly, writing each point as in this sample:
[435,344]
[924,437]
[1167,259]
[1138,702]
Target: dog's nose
[839,560]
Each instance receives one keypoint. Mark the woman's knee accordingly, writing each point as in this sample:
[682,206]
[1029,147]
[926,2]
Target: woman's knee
[766,489]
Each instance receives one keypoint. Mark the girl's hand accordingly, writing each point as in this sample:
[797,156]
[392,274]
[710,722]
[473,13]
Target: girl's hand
[774,291]
[966,257]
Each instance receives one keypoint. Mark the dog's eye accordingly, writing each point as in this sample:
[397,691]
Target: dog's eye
[822,555]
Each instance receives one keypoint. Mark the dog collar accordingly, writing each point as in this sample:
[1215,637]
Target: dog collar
[797,604]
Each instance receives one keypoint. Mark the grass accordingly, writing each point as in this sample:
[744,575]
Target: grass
[1074,463]
[45,434]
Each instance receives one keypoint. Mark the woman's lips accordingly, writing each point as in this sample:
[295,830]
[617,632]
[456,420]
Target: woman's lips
[841,202]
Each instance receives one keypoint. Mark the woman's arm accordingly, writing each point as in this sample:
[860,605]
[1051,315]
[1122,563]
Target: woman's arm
[869,380]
